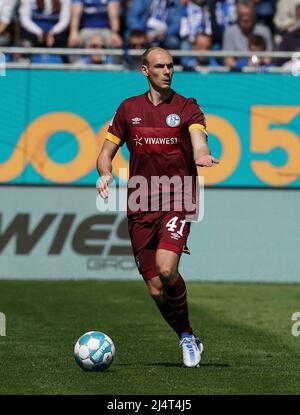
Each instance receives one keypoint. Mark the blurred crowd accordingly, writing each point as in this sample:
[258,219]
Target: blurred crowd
[199,25]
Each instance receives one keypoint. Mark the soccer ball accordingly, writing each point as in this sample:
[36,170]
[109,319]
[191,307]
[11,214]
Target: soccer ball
[94,351]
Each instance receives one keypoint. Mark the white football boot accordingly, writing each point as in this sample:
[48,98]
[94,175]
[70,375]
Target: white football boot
[192,348]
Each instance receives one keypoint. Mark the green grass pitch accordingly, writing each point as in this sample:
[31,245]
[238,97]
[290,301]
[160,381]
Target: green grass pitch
[246,330]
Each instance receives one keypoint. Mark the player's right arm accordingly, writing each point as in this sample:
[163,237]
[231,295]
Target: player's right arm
[104,167]
[114,139]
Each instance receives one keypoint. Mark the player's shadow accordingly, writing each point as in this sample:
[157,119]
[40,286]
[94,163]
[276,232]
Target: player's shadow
[168,364]
[215,364]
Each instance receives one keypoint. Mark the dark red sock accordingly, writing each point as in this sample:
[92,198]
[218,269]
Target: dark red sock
[177,301]
[168,314]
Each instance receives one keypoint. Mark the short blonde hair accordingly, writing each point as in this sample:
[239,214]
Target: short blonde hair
[149,50]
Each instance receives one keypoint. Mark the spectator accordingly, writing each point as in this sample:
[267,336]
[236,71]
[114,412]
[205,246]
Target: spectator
[137,40]
[257,43]
[236,37]
[285,17]
[124,5]
[160,19]
[202,42]
[95,17]
[96,42]
[291,40]
[265,10]
[223,14]
[7,8]
[44,22]
[195,20]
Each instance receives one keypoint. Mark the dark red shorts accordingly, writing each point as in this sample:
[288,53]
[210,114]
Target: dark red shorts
[152,231]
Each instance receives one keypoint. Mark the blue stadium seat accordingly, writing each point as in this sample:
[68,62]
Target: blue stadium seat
[46,59]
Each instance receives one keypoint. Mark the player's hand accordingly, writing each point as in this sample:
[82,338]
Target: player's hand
[206,161]
[103,185]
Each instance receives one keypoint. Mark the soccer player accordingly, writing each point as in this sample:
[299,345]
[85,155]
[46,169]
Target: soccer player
[166,137]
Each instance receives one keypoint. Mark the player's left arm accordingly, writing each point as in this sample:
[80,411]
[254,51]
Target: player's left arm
[201,151]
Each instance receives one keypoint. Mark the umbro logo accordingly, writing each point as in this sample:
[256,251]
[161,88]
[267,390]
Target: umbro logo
[136,120]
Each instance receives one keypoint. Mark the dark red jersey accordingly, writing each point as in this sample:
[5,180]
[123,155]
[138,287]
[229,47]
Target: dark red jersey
[158,139]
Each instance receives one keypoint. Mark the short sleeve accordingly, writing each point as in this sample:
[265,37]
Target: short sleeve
[195,116]
[117,129]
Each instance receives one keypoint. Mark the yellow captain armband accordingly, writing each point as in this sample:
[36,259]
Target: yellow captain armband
[114,139]
[199,127]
